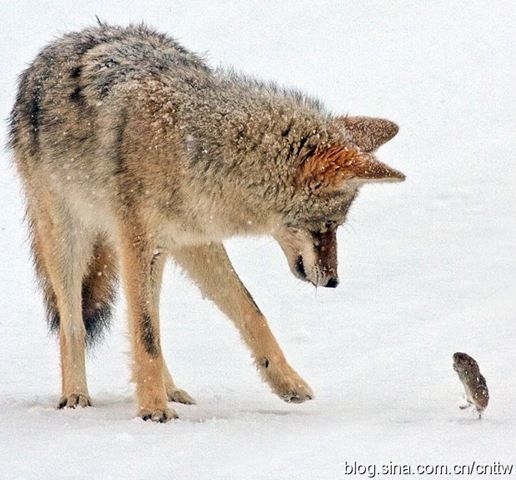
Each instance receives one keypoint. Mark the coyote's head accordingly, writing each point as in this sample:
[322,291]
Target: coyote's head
[325,184]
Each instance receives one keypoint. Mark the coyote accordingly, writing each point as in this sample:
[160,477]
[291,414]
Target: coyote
[131,150]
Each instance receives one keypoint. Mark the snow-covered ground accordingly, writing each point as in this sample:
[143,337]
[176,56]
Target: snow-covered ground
[427,267]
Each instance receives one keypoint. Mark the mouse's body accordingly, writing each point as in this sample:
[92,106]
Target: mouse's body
[474,382]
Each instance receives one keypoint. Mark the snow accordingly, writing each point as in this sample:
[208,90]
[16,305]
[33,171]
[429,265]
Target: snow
[427,267]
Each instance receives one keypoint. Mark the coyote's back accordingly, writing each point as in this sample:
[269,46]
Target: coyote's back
[66,85]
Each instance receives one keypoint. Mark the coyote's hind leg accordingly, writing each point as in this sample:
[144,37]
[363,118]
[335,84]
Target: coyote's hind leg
[62,251]
[175,394]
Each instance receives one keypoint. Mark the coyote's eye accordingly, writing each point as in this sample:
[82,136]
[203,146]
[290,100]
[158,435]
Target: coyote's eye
[330,225]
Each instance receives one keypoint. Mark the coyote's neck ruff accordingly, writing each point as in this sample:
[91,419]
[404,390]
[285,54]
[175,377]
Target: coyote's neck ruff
[131,149]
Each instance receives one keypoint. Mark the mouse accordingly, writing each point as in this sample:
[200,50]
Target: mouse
[474,383]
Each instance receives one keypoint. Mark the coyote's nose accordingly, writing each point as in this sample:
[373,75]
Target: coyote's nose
[332,283]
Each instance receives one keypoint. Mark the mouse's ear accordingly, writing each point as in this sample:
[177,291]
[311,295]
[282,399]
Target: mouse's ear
[332,168]
[368,133]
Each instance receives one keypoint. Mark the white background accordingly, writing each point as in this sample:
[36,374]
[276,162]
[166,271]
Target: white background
[427,267]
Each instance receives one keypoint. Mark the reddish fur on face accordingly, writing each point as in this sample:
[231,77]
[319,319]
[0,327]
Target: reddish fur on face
[333,166]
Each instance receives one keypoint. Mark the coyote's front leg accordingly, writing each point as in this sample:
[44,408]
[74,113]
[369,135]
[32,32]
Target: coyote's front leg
[209,266]
[142,268]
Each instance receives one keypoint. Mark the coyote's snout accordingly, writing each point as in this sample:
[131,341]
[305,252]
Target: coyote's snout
[311,255]
[132,150]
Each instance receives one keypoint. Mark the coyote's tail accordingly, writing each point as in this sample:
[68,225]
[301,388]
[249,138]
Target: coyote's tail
[98,290]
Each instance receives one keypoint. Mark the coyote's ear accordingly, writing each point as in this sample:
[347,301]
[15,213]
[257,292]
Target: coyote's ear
[332,168]
[368,133]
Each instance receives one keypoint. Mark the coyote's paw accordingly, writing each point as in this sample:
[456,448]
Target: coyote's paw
[161,415]
[179,396]
[286,383]
[74,400]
